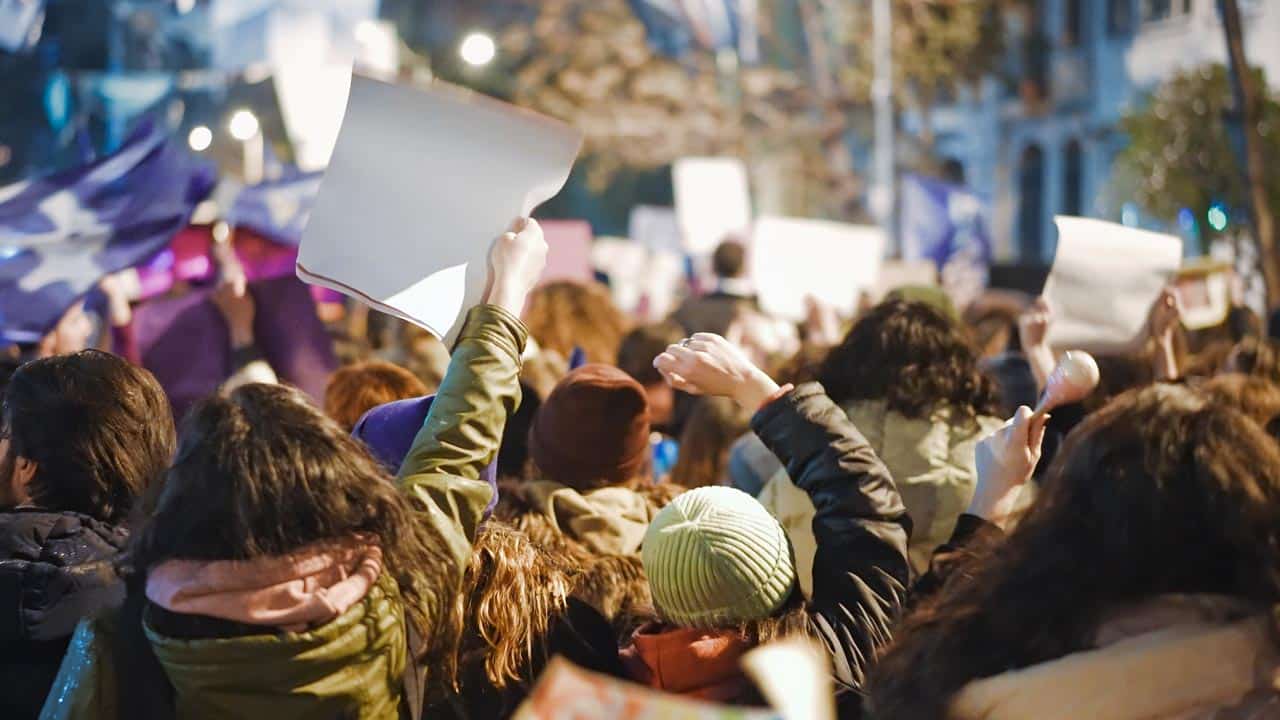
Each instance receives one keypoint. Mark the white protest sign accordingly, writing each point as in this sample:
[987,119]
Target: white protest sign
[712,200]
[792,259]
[420,184]
[1103,281]
[655,228]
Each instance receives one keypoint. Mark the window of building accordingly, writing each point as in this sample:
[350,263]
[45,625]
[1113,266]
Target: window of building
[1031,205]
[1073,179]
[1119,17]
[1073,24]
[1158,10]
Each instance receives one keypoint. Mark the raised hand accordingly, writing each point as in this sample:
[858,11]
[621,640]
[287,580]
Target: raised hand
[1165,315]
[707,364]
[1033,330]
[238,310]
[1006,460]
[516,261]
[1034,324]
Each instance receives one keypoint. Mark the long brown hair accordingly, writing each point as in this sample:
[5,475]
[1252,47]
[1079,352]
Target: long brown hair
[262,472]
[1159,492]
[713,426]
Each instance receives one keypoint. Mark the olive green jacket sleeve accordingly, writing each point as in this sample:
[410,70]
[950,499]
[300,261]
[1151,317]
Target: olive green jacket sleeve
[463,431]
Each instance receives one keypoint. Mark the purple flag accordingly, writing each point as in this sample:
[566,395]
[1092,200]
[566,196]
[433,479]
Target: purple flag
[60,234]
[277,209]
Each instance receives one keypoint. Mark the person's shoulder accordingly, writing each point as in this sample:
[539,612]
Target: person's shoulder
[58,538]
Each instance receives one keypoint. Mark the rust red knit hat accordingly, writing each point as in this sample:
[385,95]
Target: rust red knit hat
[593,429]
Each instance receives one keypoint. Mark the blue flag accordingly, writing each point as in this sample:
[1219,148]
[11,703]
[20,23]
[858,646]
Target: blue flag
[60,234]
[21,22]
[277,209]
[941,220]
[947,224]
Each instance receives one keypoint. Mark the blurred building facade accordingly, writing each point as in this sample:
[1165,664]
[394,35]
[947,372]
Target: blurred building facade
[1041,137]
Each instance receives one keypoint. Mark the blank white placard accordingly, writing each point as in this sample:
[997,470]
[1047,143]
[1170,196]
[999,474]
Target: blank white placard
[713,200]
[420,184]
[1103,281]
[833,262]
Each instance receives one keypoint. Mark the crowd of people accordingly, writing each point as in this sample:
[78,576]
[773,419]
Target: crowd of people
[650,502]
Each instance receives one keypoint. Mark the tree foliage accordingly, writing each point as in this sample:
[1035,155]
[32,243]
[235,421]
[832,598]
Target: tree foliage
[588,62]
[1182,149]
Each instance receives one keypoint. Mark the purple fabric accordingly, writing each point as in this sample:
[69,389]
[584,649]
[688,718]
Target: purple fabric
[185,343]
[389,431]
[64,232]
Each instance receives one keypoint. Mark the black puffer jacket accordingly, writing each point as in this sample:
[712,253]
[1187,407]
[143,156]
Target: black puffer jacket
[55,568]
[860,569]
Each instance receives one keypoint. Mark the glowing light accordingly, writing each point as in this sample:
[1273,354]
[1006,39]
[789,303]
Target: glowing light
[184,6]
[1186,220]
[243,125]
[1129,215]
[1217,217]
[200,138]
[477,49]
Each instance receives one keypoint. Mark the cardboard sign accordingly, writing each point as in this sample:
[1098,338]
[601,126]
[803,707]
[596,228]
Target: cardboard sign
[1103,281]
[1204,289]
[792,259]
[567,692]
[420,184]
[568,250]
[713,201]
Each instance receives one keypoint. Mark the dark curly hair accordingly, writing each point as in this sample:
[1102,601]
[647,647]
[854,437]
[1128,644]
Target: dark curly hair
[1159,492]
[912,357]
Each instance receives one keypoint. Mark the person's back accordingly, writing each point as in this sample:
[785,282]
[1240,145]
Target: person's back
[1140,583]
[731,299]
[83,436]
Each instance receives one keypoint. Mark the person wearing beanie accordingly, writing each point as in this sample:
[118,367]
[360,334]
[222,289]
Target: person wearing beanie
[590,492]
[720,567]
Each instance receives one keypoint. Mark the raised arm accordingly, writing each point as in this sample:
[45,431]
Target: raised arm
[481,389]
[861,569]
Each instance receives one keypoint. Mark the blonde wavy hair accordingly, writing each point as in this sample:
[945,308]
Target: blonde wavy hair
[564,315]
[512,590]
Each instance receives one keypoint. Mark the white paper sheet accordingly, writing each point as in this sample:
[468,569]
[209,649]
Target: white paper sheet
[712,201]
[1104,278]
[834,262]
[420,184]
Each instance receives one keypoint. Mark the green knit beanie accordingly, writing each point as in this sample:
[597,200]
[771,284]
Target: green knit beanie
[715,557]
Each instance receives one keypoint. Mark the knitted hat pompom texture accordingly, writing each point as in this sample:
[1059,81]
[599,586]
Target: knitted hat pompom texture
[716,557]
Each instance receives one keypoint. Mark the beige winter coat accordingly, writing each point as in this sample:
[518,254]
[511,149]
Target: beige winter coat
[931,461]
[1189,657]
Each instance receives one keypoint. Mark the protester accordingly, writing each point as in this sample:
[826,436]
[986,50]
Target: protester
[1257,398]
[564,316]
[356,389]
[519,608]
[1259,357]
[721,569]
[910,383]
[635,357]
[714,425]
[1139,584]
[590,492]
[83,436]
[733,295]
[73,333]
[280,573]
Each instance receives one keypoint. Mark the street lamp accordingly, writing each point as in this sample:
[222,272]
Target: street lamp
[477,49]
[243,125]
[245,128]
[200,138]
